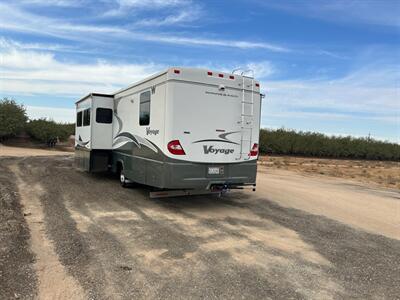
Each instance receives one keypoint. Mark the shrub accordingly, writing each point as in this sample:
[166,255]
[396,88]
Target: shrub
[12,118]
[46,130]
[290,142]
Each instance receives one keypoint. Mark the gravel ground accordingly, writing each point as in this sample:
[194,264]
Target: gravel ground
[108,242]
[17,276]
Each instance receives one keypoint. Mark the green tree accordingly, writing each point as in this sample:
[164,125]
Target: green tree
[12,118]
[290,142]
[65,130]
[42,130]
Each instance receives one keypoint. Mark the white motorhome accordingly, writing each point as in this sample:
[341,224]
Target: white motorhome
[183,130]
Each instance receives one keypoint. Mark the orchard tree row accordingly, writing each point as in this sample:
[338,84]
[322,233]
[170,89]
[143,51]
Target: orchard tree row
[13,120]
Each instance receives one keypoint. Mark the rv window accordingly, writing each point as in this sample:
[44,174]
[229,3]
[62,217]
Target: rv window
[144,111]
[86,117]
[79,119]
[104,115]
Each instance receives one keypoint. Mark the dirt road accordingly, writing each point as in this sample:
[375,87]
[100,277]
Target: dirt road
[70,235]
[22,152]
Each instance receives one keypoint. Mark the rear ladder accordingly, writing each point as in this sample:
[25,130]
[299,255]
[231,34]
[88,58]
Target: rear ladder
[246,118]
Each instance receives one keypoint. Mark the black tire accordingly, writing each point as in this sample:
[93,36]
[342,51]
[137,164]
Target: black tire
[123,179]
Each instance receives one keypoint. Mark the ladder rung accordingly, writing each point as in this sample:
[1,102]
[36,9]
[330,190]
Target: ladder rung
[247,102]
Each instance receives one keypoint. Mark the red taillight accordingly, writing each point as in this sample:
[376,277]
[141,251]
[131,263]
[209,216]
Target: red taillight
[231,77]
[175,147]
[221,75]
[254,150]
[209,73]
[177,71]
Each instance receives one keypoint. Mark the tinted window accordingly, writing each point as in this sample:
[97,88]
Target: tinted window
[104,115]
[86,117]
[79,119]
[144,111]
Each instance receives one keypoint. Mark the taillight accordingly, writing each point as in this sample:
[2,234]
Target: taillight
[175,147]
[254,150]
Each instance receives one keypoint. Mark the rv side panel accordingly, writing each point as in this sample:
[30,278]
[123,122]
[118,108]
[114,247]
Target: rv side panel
[138,137]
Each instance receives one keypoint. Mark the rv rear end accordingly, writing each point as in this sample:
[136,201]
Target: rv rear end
[212,122]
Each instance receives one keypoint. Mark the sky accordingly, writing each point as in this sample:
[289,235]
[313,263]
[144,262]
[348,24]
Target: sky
[326,66]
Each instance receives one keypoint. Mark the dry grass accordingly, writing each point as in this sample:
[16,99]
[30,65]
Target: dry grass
[382,173]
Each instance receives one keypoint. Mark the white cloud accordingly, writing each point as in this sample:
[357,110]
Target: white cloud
[183,16]
[152,4]
[51,113]
[189,41]
[61,3]
[10,44]
[36,72]
[14,19]
[261,69]
[125,6]
[32,72]
[370,93]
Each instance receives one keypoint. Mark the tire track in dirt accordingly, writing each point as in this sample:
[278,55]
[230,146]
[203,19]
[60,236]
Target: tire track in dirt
[17,275]
[54,281]
[88,251]
[119,244]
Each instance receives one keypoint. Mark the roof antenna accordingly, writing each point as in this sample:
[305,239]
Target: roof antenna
[237,69]
[248,71]
[244,71]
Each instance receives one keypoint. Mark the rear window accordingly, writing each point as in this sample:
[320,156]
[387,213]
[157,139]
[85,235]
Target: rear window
[104,115]
[86,117]
[79,119]
[144,111]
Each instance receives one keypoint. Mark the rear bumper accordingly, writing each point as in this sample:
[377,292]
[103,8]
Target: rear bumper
[179,174]
[186,175]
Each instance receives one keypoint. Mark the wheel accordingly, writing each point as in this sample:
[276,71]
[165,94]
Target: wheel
[122,179]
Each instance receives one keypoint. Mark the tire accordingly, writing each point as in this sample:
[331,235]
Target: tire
[122,179]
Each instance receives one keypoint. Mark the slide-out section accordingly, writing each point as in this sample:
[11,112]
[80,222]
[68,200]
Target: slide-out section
[93,132]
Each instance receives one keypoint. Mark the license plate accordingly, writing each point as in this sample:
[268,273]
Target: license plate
[215,170]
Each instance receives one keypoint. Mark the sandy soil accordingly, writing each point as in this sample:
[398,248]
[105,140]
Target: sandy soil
[369,208]
[297,237]
[22,151]
[49,270]
[378,173]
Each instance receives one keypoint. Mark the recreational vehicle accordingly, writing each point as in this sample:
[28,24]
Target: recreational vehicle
[181,131]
